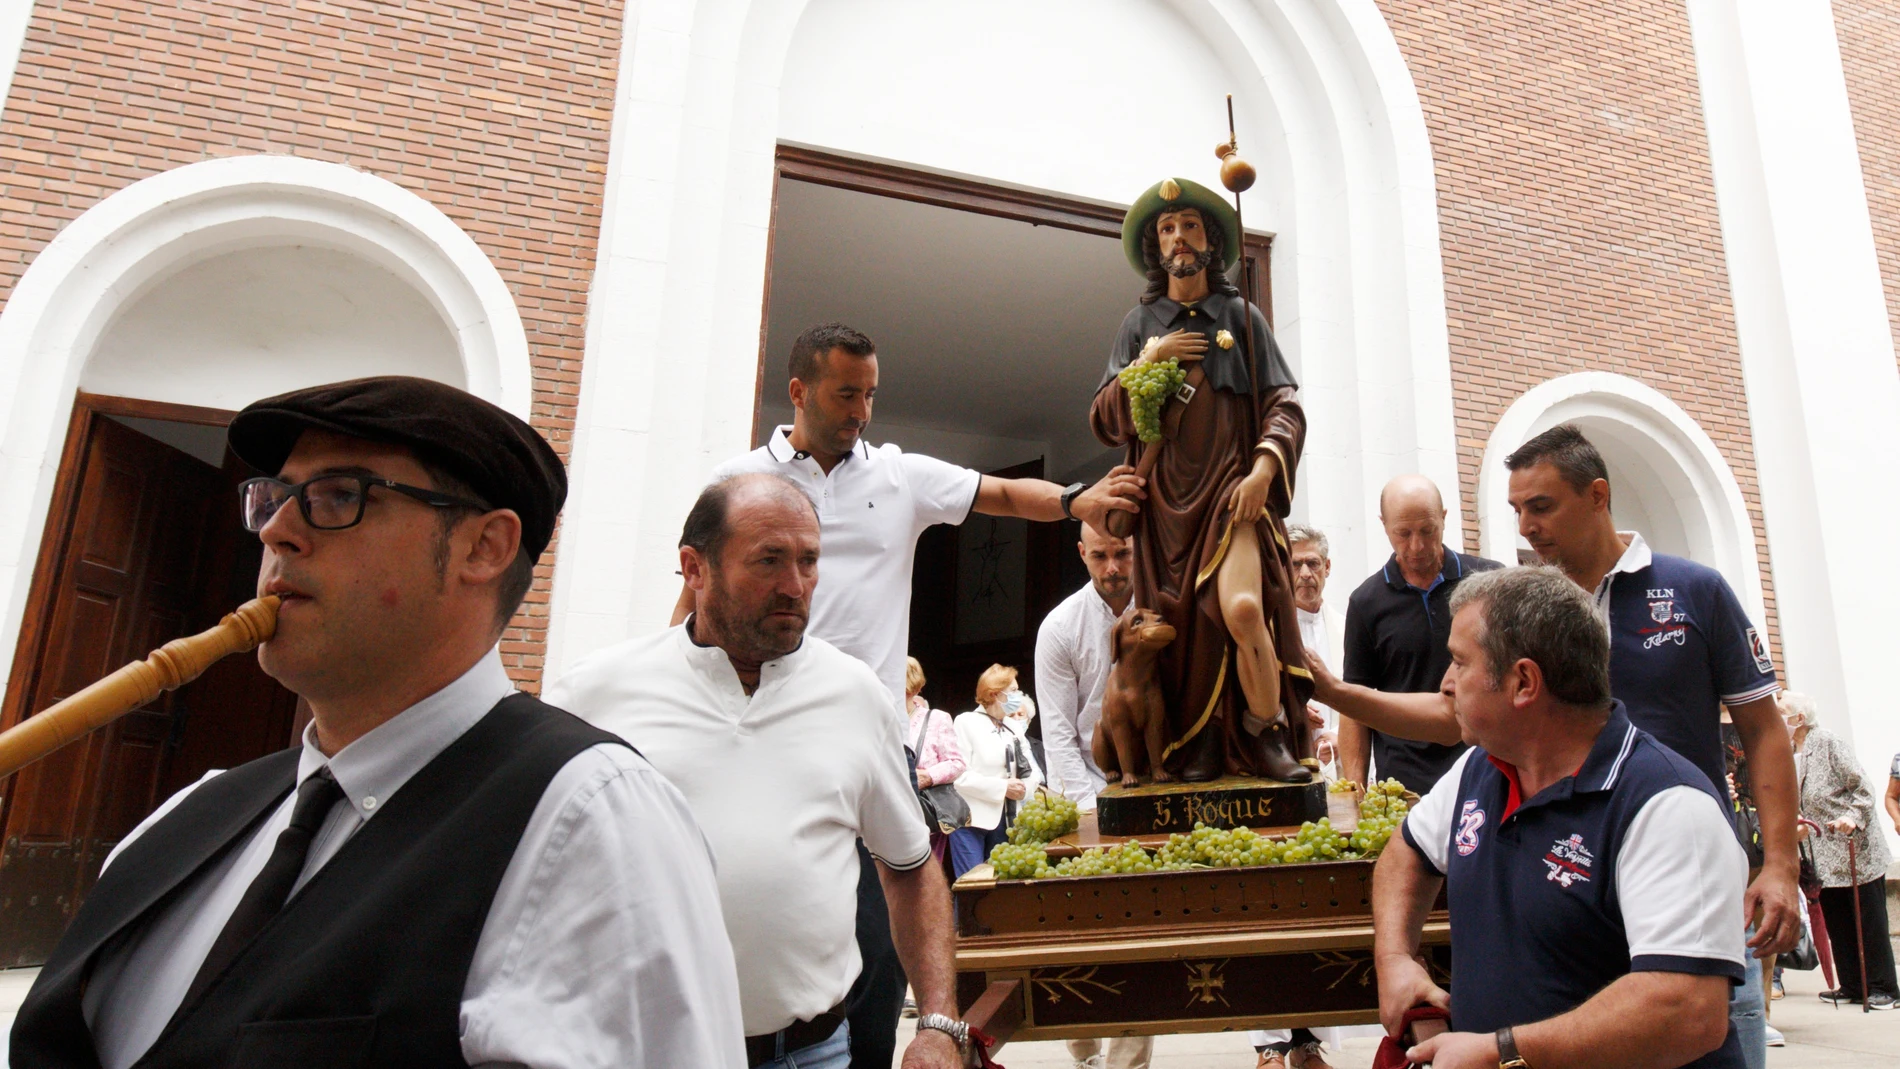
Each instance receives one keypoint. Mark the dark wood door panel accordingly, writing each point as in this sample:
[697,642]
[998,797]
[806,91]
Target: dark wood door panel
[142,568]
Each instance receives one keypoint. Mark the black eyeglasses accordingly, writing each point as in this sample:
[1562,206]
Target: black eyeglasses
[331,502]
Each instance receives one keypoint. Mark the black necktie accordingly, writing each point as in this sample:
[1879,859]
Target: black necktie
[266,895]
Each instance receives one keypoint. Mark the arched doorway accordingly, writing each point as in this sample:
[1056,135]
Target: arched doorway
[1056,98]
[1667,478]
[130,342]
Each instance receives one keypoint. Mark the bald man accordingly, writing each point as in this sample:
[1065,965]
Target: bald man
[1397,624]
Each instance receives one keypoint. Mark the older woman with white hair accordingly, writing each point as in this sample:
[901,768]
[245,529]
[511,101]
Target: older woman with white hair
[1835,794]
[999,775]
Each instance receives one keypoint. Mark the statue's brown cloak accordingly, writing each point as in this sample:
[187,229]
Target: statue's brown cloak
[1183,531]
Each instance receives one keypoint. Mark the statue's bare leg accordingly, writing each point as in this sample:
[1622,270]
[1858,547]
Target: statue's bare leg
[1256,666]
[1238,586]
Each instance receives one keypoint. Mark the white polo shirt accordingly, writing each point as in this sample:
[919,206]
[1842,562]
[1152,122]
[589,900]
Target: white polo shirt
[871,508]
[783,782]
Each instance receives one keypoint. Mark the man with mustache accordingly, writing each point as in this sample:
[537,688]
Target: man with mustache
[445,872]
[874,502]
[1210,544]
[789,753]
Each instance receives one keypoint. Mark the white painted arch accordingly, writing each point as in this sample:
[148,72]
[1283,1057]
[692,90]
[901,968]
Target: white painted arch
[1658,453]
[132,242]
[1046,95]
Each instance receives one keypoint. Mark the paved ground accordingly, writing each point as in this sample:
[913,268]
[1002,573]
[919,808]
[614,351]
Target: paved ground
[1819,1037]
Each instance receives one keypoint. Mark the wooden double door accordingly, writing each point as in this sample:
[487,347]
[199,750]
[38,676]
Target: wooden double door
[142,545]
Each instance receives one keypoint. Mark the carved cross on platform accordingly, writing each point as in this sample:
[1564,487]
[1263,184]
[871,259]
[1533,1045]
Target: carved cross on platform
[1205,981]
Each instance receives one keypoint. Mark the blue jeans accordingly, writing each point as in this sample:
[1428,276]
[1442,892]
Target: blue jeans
[833,1053]
[1748,1012]
[970,847]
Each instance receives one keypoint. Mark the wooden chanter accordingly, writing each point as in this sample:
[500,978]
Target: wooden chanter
[171,666]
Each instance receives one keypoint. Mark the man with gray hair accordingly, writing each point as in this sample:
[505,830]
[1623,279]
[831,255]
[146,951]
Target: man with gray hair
[1322,627]
[1591,865]
[788,754]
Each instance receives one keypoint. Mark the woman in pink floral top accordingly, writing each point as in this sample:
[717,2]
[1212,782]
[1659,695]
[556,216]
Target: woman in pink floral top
[939,760]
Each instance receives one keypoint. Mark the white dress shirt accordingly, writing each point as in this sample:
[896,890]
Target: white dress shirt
[610,884]
[1324,632]
[987,745]
[1072,663]
[871,508]
[785,781]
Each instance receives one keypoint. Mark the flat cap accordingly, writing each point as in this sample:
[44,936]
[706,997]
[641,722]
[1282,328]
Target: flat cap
[506,462]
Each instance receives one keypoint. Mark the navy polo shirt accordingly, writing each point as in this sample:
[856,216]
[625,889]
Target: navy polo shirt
[1627,866]
[1395,642]
[1681,647]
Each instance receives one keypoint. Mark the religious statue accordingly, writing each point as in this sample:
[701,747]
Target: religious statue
[1211,554]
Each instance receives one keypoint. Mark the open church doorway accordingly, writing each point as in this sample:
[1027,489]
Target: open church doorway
[993,308]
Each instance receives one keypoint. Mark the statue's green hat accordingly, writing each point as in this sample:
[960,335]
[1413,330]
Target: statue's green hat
[1173,194]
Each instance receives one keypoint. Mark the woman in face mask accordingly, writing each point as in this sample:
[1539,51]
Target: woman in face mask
[1019,711]
[999,770]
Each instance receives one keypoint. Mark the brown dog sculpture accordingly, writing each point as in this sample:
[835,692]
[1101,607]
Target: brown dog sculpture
[1133,718]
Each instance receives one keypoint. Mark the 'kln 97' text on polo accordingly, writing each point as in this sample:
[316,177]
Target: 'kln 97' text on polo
[1627,866]
[1681,647]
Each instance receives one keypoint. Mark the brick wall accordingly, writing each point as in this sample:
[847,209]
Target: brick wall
[495,113]
[1577,208]
[1869,32]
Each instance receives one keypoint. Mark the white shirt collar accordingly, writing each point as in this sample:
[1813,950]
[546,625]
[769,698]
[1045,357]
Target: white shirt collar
[712,662]
[372,768]
[1635,558]
[1101,604]
[1636,555]
[779,445]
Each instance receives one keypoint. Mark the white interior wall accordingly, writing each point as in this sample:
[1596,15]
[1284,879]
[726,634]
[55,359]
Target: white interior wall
[225,331]
[1091,99]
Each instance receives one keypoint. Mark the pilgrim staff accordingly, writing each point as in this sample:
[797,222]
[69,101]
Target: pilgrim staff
[444,871]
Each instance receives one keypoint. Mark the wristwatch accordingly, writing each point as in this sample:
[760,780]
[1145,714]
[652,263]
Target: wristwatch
[1069,494]
[955,1029]
[1508,1057]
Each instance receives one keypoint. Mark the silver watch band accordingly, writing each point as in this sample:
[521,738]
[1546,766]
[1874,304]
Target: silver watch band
[955,1029]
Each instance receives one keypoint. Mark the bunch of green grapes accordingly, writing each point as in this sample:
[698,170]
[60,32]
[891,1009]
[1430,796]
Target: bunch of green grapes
[1379,816]
[1020,861]
[1044,819]
[1148,387]
[1315,842]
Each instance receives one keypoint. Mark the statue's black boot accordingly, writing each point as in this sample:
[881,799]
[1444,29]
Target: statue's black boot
[1205,761]
[1273,756]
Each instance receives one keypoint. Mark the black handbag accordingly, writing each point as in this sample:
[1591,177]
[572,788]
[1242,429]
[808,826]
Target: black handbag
[944,809]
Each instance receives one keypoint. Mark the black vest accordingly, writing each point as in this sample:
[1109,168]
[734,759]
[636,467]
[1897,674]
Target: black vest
[366,963]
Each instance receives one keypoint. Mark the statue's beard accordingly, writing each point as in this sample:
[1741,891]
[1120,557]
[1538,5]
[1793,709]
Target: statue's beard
[1179,269]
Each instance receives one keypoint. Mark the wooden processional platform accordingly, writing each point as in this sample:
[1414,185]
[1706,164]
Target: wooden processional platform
[1204,950]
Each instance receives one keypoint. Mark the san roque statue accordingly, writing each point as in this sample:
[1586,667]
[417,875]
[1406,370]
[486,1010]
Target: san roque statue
[1211,554]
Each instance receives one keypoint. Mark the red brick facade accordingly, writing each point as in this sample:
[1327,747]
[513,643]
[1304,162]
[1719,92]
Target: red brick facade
[1869,31]
[497,114]
[1577,208]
